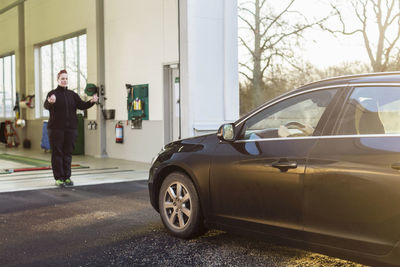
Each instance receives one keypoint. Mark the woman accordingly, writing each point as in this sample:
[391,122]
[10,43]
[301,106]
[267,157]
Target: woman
[62,127]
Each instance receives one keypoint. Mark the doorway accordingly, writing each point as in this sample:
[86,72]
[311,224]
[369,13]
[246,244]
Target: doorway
[172,103]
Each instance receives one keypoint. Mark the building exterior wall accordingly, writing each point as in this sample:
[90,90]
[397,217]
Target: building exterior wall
[141,37]
[209,69]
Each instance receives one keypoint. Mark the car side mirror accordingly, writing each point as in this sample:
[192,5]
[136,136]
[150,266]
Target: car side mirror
[226,132]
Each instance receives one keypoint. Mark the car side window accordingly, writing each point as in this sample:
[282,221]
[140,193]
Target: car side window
[293,117]
[371,110]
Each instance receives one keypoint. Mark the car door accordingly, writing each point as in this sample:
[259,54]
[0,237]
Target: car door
[352,182]
[258,178]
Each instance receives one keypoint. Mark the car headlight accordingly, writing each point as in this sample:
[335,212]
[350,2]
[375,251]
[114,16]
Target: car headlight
[156,157]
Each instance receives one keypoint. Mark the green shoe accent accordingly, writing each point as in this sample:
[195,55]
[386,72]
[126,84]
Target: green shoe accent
[59,183]
[68,182]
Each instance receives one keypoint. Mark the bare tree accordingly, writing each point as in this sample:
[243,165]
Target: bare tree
[384,16]
[268,37]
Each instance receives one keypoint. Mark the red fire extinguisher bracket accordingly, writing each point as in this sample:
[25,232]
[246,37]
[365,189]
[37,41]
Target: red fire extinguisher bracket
[119,133]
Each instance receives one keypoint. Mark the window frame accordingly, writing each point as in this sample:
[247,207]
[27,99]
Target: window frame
[13,84]
[319,129]
[39,111]
[350,90]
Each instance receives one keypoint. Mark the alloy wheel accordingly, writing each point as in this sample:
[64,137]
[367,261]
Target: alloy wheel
[177,205]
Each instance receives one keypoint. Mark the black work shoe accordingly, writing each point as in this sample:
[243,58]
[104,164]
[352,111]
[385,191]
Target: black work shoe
[68,182]
[60,183]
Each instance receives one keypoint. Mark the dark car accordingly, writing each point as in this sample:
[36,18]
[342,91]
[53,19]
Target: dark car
[319,164]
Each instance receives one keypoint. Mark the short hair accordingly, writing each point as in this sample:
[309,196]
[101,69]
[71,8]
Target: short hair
[61,72]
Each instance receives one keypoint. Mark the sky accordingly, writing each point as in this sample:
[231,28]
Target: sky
[322,48]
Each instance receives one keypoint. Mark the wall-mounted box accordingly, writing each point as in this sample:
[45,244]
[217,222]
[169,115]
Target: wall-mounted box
[138,101]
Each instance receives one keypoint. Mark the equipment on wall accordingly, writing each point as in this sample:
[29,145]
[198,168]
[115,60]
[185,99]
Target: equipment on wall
[29,101]
[10,134]
[92,125]
[91,89]
[26,102]
[108,114]
[119,133]
[20,123]
[17,109]
[137,104]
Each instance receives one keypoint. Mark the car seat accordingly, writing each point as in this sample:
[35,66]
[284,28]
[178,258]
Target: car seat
[367,117]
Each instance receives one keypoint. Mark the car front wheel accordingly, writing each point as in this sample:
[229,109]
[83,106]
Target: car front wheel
[180,206]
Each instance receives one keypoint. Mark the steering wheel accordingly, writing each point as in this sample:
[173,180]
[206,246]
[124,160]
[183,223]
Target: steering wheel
[304,128]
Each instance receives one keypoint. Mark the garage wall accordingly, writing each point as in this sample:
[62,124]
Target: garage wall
[139,145]
[140,37]
[5,3]
[136,49]
[9,35]
[9,31]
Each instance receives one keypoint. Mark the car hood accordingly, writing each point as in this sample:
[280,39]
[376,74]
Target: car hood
[189,140]
[192,144]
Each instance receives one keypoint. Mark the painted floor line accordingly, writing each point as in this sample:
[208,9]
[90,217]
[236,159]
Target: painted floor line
[50,171]
[14,178]
[76,185]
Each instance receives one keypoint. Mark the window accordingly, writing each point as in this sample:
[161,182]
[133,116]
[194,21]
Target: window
[296,116]
[371,110]
[69,54]
[7,86]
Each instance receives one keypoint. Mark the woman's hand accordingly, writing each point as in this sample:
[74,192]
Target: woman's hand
[94,99]
[51,99]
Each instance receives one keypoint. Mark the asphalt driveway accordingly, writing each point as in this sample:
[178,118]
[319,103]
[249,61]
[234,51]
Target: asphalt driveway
[114,225]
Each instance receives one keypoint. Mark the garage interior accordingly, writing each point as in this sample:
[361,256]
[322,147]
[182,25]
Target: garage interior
[178,57]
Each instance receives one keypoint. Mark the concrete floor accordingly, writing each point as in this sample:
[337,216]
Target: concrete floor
[100,171]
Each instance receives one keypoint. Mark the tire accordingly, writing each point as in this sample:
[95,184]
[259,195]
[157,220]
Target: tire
[180,211]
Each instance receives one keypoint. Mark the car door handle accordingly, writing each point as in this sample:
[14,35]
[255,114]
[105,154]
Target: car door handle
[396,166]
[284,165]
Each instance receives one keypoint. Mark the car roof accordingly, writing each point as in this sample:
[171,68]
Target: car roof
[368,78]
[379,77]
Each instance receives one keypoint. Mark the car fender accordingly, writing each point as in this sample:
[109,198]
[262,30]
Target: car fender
[200,178]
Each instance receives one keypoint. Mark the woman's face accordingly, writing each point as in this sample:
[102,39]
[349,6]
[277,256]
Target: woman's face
[63,80]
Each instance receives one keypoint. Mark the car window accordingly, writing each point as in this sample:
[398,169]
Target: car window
[293,117]
[371,110]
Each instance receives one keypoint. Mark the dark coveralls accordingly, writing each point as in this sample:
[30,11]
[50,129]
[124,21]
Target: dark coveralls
[62,129]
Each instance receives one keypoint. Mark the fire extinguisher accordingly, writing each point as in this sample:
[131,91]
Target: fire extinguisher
[119,133]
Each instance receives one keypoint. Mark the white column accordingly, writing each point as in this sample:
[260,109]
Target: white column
[231,72]
[209,65]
